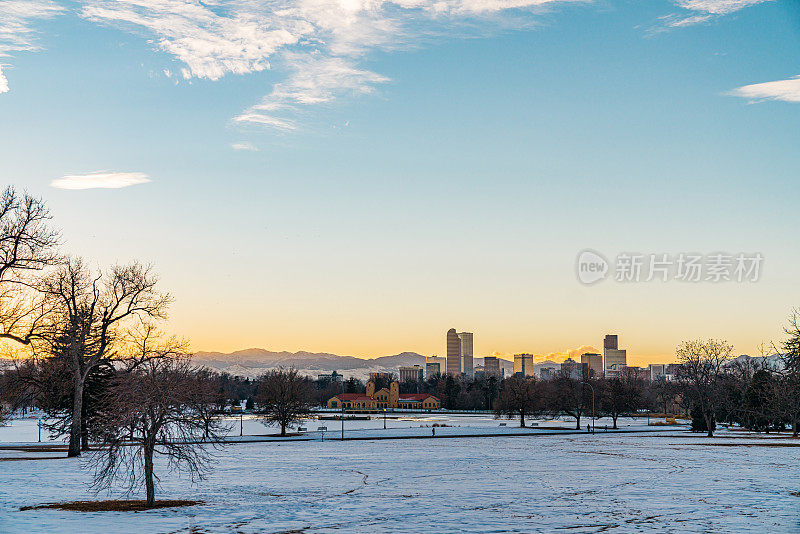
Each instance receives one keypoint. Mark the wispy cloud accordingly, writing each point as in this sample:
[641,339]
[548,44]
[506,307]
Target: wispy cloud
[244,145]
[701,11]
[16,27]
[315,80]
[100,180]
[785,90]
[319,44]
[718,7]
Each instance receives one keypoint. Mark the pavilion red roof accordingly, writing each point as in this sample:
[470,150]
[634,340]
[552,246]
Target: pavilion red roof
[352,397]
[415,396]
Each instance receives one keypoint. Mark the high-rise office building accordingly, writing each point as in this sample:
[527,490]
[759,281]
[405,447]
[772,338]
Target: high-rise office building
[466,353]
[491,367]
[523,365]
[411,374]
[453,353]
[614,358]
[572,369]
[432,369]
[594,362]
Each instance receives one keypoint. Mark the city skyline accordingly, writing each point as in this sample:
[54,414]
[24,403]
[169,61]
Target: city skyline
[341,180]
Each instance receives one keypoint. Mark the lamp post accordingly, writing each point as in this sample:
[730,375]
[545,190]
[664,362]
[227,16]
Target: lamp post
[590,387]
[241,423]
[384,418]
[342,403]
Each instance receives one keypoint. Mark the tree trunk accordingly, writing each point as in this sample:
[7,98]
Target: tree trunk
[795,430]
[614,419]
[84,428]
[577,421]
[148,475]
[708,419]
[283,428]
[77,417]
[522,419]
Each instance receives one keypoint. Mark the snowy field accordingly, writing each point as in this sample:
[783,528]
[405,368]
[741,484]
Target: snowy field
[657,481]
[25,430]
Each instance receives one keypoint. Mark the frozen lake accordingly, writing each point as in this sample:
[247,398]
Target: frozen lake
[669,481]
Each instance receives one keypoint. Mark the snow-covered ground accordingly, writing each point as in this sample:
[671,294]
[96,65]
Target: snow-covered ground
[660,480]
[25,429]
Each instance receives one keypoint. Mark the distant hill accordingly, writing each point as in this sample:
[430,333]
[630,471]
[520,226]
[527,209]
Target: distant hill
[254,362]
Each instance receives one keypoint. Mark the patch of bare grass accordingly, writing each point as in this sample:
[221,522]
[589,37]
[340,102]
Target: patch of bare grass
[110,506]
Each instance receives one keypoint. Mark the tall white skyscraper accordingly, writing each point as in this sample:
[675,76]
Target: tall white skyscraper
[466,354]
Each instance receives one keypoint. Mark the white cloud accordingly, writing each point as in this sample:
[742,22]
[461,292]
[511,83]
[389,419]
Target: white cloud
[706,10]
[16,27]
[244,145]
[718,7]
[211,39]
[785,90]
[3,82]
[100,180]
[315,80]
[319,44]
[265,120]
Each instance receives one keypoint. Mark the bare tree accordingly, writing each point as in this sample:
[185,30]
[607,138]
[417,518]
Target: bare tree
[152,410]
[209,388]
[620,395]
[519,397]
[91,315]
[790,381]
[27,244]
[5,396]
[700,374]
[283,397]
[570,397]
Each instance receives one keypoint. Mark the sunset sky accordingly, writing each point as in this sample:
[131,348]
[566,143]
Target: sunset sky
[359,176]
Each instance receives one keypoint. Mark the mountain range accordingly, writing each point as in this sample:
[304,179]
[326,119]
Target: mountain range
[254,362]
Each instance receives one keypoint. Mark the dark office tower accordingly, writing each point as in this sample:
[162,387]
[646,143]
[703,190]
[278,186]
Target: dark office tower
[491,367]
[453,353]
[610,342]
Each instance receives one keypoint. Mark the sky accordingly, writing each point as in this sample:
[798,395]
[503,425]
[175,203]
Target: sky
[357,177]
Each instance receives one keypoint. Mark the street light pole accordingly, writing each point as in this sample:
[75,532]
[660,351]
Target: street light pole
[384,418]
[241,423]
[593,417]
[342,403]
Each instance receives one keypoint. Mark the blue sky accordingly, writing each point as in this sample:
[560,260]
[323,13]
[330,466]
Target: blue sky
[403,168]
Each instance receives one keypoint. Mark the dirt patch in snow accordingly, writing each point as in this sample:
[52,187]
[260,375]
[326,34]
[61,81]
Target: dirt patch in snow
[110,506]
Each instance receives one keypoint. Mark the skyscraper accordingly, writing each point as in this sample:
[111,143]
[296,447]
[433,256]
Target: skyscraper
[523,365]
[614,359]
[466,353]
[432,369]
[453,353]
[491,367]
[594,362]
